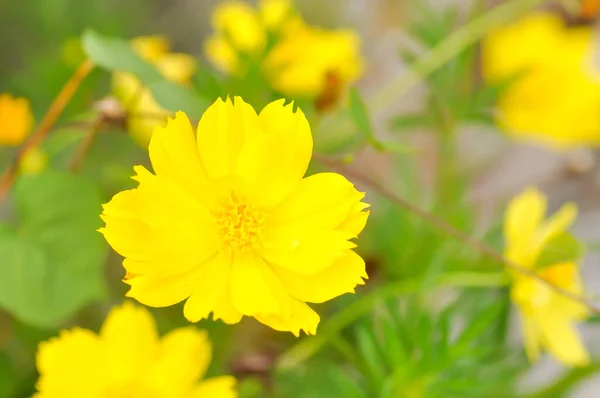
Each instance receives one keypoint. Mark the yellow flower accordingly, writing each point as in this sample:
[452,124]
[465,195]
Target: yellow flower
[128,359]
[229,223]
[556,93]
[16,120]
[548,318]
[136,99]
[33,161]
[303,61]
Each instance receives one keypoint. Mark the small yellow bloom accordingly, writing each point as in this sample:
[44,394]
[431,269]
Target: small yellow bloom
[548,317]
[33,161]
[16,120]
[556,93]
[136,99]
[303,61]
[128,359]
[229,223]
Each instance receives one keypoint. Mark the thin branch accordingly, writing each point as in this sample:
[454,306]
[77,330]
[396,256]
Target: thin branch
[450,229]
[56,109]
[86,143]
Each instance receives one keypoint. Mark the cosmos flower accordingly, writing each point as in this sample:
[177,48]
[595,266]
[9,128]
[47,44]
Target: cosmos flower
[548,317]
[128,359]
[553,92]
[16,120]
[228,223]
[145,113]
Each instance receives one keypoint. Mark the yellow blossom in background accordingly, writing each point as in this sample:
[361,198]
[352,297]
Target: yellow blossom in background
[301,60]
[307,57]
[548,318]
[33,161]
[555,96]
[137,100]
[129,359]
[228,222]
[16,120]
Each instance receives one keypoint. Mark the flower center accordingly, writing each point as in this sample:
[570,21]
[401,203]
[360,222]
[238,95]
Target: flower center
[240,223]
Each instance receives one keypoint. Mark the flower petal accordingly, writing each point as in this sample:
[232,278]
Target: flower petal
[174,156]
[301,317]
[71,364]
[211,293]
[182,359]
[255,289]
[559,223]
[130,342]
[342,277]
[223,130]
[282,160]
[217,387]
[561,339]
[524,215]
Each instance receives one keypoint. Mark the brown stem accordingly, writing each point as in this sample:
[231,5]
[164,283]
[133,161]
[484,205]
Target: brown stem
[449,229]
[86,143]
[55,110]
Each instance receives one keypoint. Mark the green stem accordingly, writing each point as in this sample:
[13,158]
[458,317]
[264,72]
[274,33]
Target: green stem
[309,346]
[457,42]
[566,382]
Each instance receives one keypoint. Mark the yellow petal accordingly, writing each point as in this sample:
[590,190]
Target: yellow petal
[71,364]
[221,54]
[151,48]
[177,67]
[532,338]
[17,120]
[223,130]
[301,317]
[144,115]
[238,22]
[345,273]
[158,290]
[274,12]
[524,215]
[255,289]
[276,164]
[174,156]
[130,343]
[562,340]
[321,201]
[559,223]
[182,358]
[303,250]
[217,387]
[212,292]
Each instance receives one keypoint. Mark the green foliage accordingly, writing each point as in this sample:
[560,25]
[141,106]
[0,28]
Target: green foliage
[55,254]
[560,249]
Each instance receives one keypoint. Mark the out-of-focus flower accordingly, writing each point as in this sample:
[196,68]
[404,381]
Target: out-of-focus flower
[33,161]
[128,359]
[137,100]
[229,223]
[555,96]
[297,59]
[16,120]
[306,61]
[548,318]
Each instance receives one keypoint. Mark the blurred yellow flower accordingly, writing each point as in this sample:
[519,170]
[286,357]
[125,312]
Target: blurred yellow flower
[136,99]
[33,161]
[548,318]
[297,59]
[229,223]
[128,359]
[555,97]
[303,61]
[16,120]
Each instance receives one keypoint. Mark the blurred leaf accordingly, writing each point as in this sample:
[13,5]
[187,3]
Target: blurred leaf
[8,379]
[51,263]
[410,122]
[117,55]
[560,249]
[360,115]
[179,98]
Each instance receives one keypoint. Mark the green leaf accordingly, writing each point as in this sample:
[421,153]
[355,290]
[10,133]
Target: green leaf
[361,118]
[116,54]
[51,263]
[560,249]
[179,98]
[410,122]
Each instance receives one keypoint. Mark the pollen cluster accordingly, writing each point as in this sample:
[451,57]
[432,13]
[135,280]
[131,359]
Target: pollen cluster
[240,223]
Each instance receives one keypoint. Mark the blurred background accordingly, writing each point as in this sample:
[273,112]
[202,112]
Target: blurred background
[41,49]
